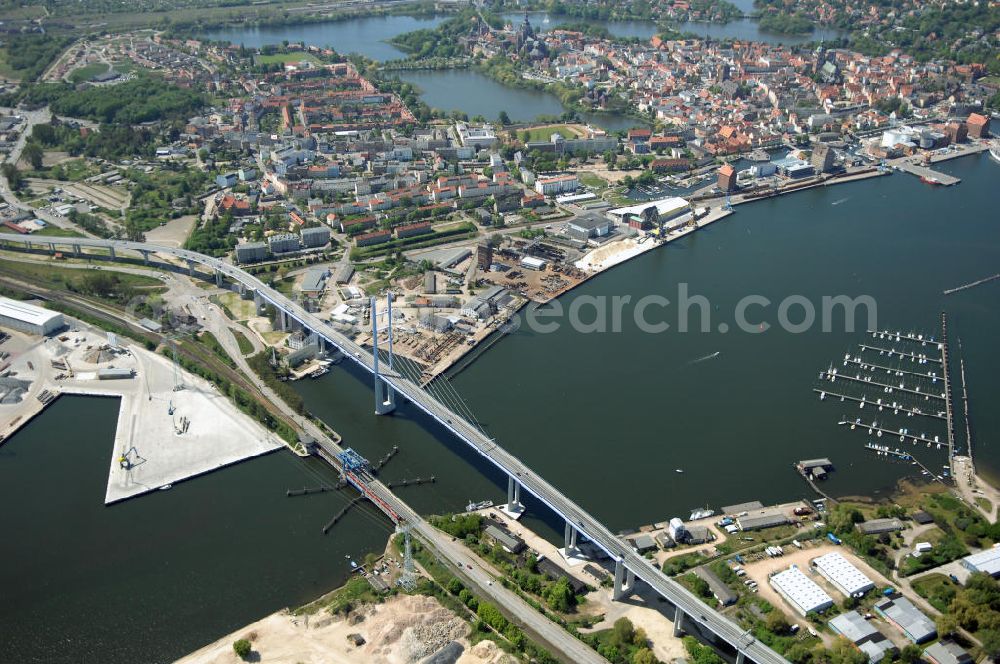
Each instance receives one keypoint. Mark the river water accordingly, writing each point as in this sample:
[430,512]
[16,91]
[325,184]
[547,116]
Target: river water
[151,579]
[607,418]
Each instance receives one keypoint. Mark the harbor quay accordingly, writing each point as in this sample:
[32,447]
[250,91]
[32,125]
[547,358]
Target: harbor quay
[172,425]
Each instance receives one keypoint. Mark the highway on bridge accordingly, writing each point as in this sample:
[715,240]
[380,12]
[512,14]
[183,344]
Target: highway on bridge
[694,609]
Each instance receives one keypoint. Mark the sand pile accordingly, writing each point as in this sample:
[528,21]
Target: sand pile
[99,355]
[490,653]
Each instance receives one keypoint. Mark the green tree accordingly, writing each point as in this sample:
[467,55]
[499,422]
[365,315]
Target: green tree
[33,153]
[844,652]
[503,118]
[242,648]
[990,639]
[909,654]
[775,622]
[14,177]
[644,656]
[455,586]
[559,596]
[946,624]
[622,632]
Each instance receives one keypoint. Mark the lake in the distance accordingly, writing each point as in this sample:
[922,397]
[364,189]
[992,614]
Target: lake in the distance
[746,28]
[475,93]
[367,36]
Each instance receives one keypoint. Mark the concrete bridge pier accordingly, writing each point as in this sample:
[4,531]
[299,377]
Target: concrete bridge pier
[678,621]
[740,657]
[52,247]
[514,507]
[624,581]
[28,244]
[191,265]
[258,302]
[218,277]
[145,256]
[111,252]
[385,396]
[569,540]
[282,320]
[76,250]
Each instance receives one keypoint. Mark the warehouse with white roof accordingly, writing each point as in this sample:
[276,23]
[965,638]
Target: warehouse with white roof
[29,318]
[987,562]
[862,633]
[666,210]
[844,576]
[800,591]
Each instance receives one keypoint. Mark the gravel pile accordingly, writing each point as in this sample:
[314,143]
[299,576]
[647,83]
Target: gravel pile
[412,628]
[419,641]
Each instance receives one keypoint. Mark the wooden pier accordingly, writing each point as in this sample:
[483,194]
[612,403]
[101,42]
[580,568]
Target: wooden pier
[874,428]
[910,412]
[965,401]
[902,456]
[900,336]
[832,377]
[972,284]
[947,389]
[892,351]
[889,370]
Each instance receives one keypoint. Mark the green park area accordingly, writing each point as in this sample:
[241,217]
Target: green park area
[294,56]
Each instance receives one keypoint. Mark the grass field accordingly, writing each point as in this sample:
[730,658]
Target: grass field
[241,309]
[937,589]
[297,56]
[87,72]
[244,343]
[545,133]
[54,276]
[55,231]
[72,170]
[591,180]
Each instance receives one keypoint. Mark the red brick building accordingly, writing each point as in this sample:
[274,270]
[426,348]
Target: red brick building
[727,178]
[979,126]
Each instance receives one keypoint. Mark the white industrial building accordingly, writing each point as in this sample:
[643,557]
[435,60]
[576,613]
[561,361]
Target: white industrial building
[667,209]
[533,263]
[844,576]
[800,591]
[987,562]
[873,643]
[29,318]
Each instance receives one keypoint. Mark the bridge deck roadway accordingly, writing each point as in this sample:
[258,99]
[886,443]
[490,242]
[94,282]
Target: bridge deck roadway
[694,608]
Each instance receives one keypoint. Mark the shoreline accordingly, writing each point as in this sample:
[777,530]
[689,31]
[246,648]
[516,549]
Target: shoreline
[647,244]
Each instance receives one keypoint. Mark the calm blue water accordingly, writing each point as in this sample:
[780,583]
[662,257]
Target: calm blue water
[739,29]
[474,93]
[367,36]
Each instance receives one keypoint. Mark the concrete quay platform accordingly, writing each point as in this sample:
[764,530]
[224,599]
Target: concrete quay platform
[935,177]
[166,436]
[163,435]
